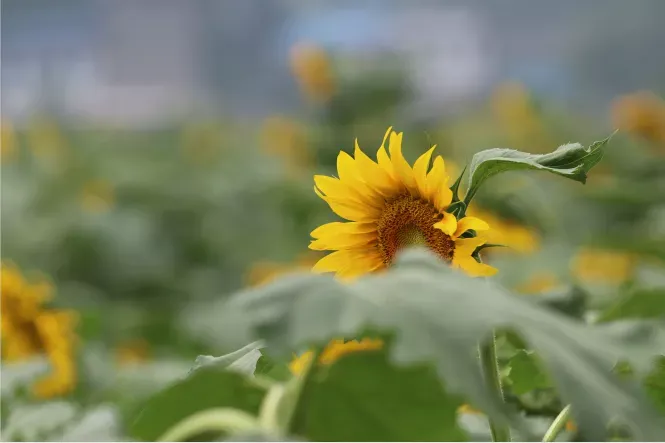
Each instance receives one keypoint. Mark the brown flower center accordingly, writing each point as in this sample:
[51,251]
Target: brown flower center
[409,221]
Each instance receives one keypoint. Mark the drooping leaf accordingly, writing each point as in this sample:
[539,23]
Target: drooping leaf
[205,388]
[439,316]
[362,397]
[525,374]
[571,161]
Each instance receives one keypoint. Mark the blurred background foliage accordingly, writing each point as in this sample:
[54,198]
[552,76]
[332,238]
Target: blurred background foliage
[116,237]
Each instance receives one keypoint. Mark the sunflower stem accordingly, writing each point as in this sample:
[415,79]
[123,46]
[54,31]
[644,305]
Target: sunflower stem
[490,366]
[557,425]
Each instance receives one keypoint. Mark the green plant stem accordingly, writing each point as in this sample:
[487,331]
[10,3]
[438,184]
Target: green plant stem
[226,420]
[557,425]
[295,388]
[490,367]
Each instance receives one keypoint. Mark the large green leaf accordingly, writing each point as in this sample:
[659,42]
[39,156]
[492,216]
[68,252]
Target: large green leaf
[571,161]
[204,389]
[440,316]
[362,397]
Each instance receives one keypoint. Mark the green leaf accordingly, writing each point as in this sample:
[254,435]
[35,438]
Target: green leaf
[273,369]
[244,360]
[205,388]
[362,397]
[571,161]
[440,316]
[641,303]
[655,385]
[525,374]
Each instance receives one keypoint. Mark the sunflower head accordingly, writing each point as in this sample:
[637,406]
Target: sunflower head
[313,71]
[391,205]
[29,329]
[641,114]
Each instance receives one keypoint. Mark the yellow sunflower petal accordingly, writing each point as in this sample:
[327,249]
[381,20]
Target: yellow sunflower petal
[466,246]
[470,223]
[348,212]
[472,268]
[346,260]
[343,241]
[374,175]
[420,171]
[350,175]
[335,188]
[404,171]
[343,228]
[448,224]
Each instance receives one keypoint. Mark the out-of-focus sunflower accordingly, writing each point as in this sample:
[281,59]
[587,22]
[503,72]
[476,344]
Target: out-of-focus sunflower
[97,196]
[264,272]
[538,283]
[45,139]
[515,236]
[312,69]
[286,138]
[201,141]
[603,266]
[641,114]
[132,351]
[30,329]
[391,205]
[8,146]
[512,107]
[332,352]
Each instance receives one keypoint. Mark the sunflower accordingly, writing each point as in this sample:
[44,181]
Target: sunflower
[390,205]
[312,69]
[603,266]
[641,114]
[28,329]
[264,272]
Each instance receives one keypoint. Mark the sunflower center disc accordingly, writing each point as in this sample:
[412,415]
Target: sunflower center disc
[408,221]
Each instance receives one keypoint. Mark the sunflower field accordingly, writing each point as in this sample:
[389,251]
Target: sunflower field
[345,274]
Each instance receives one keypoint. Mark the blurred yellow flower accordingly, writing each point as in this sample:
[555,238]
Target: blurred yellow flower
[97,196]
[641,114]
[538,283]
[311,67]
[8,146]
[603,266]
[45,140]
[201,141]
[29,329]
[515,236]
[508,233]
[512,107]
[333,351]
[286,138]
[132,351]
[263,272]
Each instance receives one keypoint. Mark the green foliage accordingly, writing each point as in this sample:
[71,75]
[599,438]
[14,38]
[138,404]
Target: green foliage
[440,316]
[640,303]
[363,397]
[571,161]
[203,389]
[525,374]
